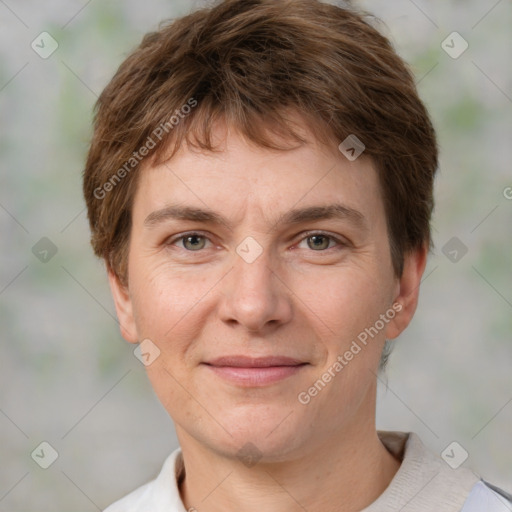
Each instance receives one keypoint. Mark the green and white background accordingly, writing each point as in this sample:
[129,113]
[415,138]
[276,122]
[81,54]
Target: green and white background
[66,376]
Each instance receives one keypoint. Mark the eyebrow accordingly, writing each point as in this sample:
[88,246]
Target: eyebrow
[296,216]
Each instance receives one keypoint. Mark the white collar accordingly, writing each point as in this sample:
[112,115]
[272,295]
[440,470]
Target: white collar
[424,482]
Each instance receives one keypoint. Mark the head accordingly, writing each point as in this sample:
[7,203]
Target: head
[232,223]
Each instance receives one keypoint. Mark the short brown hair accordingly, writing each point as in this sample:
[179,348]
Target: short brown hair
[249,62]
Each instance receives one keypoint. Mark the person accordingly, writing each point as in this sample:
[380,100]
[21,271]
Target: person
[259,184]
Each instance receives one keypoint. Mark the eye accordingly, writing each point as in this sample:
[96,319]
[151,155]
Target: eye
[321,241]
[191,241]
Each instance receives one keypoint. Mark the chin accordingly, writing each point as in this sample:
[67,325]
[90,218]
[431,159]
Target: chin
[258,448]
[268,438]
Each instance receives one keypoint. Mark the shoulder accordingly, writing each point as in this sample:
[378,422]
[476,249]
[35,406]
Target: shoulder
[159,495]
[425,482]
[485,496]
[133,501]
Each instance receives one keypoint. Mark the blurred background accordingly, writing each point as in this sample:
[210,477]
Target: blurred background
[67,378]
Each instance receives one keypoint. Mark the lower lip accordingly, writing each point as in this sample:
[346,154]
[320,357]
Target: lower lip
[255,376]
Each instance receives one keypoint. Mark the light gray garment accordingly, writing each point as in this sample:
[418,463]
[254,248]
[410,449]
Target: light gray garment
[423,483]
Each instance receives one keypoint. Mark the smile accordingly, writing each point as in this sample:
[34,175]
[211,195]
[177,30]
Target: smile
[247,372]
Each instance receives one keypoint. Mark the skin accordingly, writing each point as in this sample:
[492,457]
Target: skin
[294,300]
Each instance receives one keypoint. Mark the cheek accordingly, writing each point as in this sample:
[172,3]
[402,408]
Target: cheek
[162,295]
[168,308]
[343,302]
[344,310]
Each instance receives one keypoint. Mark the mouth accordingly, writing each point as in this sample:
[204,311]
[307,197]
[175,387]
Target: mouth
[255,372]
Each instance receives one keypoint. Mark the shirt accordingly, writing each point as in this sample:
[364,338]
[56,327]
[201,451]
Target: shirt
[423,483]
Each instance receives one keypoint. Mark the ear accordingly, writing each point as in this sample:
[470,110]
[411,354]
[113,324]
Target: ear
[124,309]
[408,291]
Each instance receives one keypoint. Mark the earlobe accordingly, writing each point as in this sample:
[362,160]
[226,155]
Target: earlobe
[124,308]
[409,287]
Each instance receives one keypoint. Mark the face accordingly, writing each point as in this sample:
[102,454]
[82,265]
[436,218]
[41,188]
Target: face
[278,262]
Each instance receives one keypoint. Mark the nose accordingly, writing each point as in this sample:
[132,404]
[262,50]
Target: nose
[255,295]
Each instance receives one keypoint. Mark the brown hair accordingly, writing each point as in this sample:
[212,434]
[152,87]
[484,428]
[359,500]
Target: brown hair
[249,62]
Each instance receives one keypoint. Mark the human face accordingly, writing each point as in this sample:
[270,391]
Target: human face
[262,276]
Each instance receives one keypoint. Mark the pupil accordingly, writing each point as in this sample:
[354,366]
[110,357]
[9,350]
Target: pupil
[194,241]
[319,241]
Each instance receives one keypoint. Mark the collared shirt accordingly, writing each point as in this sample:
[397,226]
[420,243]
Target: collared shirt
[423,483]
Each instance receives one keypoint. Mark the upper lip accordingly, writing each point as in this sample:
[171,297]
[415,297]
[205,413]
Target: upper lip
[254,362]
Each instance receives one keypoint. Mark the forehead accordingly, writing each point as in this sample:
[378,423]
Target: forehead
[243,180]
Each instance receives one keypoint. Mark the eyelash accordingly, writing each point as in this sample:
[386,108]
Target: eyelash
[309,234]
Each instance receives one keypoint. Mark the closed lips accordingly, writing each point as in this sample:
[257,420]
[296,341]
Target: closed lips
[254,362]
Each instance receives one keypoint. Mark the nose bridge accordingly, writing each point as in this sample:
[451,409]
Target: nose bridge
[255,296]
[253,267]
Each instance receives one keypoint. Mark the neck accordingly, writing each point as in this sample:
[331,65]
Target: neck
[345,472]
